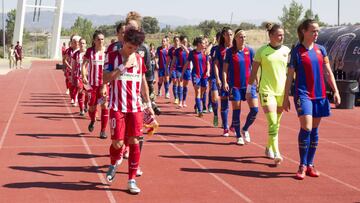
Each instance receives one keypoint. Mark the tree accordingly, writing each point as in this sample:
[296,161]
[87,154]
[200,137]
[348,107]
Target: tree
[290,20]
[309,15]
[84,28]
[247,26]
[10,25]
[207,25]
[150,25]
[166,29]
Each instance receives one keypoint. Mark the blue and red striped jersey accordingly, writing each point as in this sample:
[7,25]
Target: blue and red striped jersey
[181,57]
[199,61]
[220,56]
[161,53]
[308,65]
[212,60]
[239,68]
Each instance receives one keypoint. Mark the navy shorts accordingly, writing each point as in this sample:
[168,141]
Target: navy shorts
[187,75]
[200,82]
[161,72]
[236,94]
[213,85]
[316,108]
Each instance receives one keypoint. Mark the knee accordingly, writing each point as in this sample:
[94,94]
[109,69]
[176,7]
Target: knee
[92,108]
[133,140]
[117,144]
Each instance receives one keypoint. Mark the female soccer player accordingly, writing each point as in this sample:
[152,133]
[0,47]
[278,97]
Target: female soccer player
[160,57]
[126,74]
[214,89]
[94,59]
[200,71]
[172,69]
[236,73]
[273,59]
[77,79]
[309,61]
[225,42]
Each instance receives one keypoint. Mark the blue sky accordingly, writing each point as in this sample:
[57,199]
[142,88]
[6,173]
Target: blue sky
[200,9]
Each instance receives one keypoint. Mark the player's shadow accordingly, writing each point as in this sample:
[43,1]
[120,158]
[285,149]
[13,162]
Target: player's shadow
[178,134]
[184,126]
[48,135]
[60,118]
[175,113]
[246,173]
[62,155]
[51,113]
[184,142]
[42,102]
[237,159]
[73,186]
[43,105]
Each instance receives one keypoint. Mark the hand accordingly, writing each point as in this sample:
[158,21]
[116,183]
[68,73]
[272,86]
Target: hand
[103,91]
[208,74]
[337,99]
[85,81]
[218,83]
[286,105]
[226,87]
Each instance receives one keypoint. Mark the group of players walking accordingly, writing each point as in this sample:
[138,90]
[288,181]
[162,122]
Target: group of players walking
[119,78]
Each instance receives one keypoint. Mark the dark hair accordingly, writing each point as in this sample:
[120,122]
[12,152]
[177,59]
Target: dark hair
[218,35]
[176,37]
[272,28]
[222,38]
[134,36]
[182,37]
[197,40]
[234,45]
[304,26]
[119,26]
[96,33]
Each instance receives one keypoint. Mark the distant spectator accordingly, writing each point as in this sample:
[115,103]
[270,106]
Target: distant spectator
[11,56]
[18,54]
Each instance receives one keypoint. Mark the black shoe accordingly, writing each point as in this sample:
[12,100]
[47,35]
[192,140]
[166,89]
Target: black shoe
[91,126]
[103,135]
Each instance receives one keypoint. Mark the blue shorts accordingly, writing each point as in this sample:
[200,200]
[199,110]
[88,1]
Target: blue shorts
[161,72]
[316,108]
[173,74]
[213,85]
[236,94]
[187,75]
[223,93]
[167,71]
[200,82]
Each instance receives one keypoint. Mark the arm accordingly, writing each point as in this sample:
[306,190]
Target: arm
[84,70]
[331,80]
[224,74]
[289,79]
[145,94]
[216,72]
[184,68]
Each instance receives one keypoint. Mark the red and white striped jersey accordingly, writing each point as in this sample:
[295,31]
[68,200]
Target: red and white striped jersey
[69,52]
[96,65]
[77,63]
[125,90]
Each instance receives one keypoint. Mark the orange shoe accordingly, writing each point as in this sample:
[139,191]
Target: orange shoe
[312,172]
[301,173]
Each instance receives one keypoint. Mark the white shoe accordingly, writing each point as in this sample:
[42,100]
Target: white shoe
[139,172]
[167,95]
[278,159]
[226,133]
[110,174]
[72,102]
[132,187]
[240,141]
[67,91]
[246,135]
[269,153]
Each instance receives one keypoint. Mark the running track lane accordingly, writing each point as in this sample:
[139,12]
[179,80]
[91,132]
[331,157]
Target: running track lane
[45,160]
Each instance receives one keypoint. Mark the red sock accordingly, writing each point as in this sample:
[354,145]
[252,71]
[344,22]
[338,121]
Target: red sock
[86,99]
[104,119]
[115,154]
[134,158]
[67,83]
[81,100]
[73,92]
[92,115]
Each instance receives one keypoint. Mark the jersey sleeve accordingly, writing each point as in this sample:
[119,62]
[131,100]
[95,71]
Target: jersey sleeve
[325,55]
[293,58]
[252,54]
[191,56]
[257,56]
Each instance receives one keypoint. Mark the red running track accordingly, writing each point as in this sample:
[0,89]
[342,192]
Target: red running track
[47,154]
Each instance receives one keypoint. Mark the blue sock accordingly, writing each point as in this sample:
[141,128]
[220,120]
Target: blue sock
[209,98]
[236,122]
[250,118]
[224,113]
[180,93]
[175,91]
[198,104]
[204,100]
[304,143]
[159,87]
[166,87]
[314,139]
[215,107]
[185,93]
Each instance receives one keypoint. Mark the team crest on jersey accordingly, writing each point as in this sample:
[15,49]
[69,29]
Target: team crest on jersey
[318,51]
[141,53]
[246,53]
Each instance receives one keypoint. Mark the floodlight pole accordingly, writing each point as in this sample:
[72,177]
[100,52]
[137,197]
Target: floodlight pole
[3,28]
[338,12]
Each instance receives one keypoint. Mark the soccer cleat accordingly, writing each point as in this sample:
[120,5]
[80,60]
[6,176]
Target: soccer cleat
[184,104]
[210,109]
[159,94]
[246,135]
[226,133]
[91,126]
[200,115]
[82,113]
[278,159]
[72,102]
[139,172]
[215,121]
[180,105]
[86,109]
[269,153]
[132,187]
[176,101]
[67,91]
[232,129]
[167,95]
[204,110]
[312,172]
[300,174]
[103,135]
[240,141]
[110,174]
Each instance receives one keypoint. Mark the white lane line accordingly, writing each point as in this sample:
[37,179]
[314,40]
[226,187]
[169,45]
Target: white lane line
[86,145]
[218,178]
[6,129]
